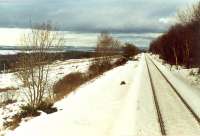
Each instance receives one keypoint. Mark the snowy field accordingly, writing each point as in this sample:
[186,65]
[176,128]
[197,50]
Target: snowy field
[9,52]
[105,107]
[57,71]
[90,110]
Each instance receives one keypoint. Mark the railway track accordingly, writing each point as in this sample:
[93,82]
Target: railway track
[161,119]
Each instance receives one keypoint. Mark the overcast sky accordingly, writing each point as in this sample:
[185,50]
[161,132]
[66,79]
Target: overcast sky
[93,15]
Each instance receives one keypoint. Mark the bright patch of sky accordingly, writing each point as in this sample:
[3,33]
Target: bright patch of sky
[12,36]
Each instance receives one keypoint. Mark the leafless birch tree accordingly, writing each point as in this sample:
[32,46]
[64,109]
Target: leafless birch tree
[34,63]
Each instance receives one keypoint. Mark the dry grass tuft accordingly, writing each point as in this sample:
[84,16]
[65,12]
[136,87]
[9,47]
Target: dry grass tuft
[29,111]
[8,89]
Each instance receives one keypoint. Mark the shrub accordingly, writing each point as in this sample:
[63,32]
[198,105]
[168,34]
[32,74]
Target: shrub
[7,97]
[130,50]
[100,65]
[8,89]
[73,80]
[107,45]
[120,61]
[45,106]
[34,66]
[29,111]
[68,83]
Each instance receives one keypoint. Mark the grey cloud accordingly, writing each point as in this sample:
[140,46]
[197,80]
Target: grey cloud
[90,15]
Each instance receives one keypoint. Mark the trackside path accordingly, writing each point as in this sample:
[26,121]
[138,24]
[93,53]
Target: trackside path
[138,116]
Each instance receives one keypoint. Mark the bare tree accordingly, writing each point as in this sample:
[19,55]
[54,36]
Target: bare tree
[107,45]
[129,50]
[189,15]
[185,16]
[34,63]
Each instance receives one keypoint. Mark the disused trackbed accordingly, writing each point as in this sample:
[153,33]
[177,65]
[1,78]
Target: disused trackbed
[178,94]
[160,118]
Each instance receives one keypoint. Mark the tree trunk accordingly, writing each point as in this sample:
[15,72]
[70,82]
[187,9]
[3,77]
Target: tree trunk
[176,58]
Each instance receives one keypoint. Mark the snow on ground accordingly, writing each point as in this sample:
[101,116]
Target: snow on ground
[138,116]
[9,80]
[190,93]
[190,76]
[187,75]
[57,70]
[89,111]
[176,117]
[6,112]
[9,52]
[103,107]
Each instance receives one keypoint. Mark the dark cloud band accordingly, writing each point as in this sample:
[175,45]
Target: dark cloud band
[91,15]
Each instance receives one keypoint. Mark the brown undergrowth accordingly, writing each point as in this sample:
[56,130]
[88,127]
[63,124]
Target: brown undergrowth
[73,80]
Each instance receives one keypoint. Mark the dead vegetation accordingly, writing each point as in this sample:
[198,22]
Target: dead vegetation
[8,89]
[34,63]
[34,72]
[73,80]
[7,96]
[29,112]
[68,83]
[106,47]
[130,50]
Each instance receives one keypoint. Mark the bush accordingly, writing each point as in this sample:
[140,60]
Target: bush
[44,106]
[7,96]
[8,89]
[73,80]
[120,61]
[130,50]
[68,83]
[29,111]
[34,67]
[100,65]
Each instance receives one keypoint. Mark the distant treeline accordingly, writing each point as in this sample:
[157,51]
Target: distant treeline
[180,45]
[11,62]
[106,46]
